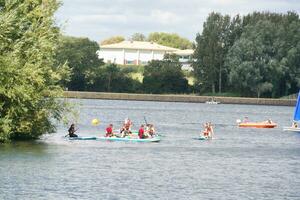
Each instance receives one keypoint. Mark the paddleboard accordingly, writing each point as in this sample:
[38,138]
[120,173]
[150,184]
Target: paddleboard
[155,139]
[203,138]
[82,138]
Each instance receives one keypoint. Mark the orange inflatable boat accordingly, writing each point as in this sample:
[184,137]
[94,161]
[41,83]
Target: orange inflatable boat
[257,125]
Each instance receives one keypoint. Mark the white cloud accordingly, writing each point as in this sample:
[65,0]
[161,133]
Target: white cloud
[99,19]
[165,17]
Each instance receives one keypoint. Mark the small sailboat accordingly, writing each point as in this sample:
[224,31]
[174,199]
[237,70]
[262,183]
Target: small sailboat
[295,127]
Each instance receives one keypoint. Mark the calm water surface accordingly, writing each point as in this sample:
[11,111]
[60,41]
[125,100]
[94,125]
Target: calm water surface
[238,164]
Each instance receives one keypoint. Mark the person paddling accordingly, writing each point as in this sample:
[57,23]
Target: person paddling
[205,131]
[246,120]
[72,131]
[151,131]
[142,132]
[109,131]
[210,130]
[295,125]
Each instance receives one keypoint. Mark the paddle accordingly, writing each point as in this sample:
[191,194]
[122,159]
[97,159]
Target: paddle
[145,120]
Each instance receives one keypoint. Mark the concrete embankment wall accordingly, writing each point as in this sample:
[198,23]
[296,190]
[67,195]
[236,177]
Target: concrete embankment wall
[178,98]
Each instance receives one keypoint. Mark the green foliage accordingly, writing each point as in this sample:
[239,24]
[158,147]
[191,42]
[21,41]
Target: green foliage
[138,37]
[132,68]
[110,78]
[28,38]
[260,60]
[164,77]
[112,40]
[212,45]
[80,55]
[170,40]
[257,55]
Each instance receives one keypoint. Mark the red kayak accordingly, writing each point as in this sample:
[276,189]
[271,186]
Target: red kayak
[257,125]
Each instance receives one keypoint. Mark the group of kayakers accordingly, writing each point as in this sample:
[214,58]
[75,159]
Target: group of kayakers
[145,131]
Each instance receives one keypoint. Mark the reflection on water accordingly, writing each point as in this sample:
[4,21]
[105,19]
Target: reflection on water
[238,164]
[34,148]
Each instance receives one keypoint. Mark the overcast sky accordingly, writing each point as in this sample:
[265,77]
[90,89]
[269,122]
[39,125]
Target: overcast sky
[100,19]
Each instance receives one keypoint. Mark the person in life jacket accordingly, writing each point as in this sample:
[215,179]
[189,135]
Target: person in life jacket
[127,123]
[125,130]
[109,131]
[205,132]
[142,132]
[151,130]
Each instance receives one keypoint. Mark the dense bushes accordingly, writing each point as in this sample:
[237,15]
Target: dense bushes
[164,77]
[28,74]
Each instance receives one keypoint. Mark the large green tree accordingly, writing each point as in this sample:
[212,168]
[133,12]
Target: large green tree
[211,48]
[265,59]
[28,76]
[80,55]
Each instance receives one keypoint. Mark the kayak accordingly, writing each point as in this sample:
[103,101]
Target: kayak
[293,129]
[82,138]
[257,125]
[154,139]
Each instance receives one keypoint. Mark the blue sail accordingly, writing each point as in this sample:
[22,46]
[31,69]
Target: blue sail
[297,109]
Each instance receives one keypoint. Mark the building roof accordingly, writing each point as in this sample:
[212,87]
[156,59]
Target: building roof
[185,52]
[138,45]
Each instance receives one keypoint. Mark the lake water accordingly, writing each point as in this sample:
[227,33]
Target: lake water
[240,163]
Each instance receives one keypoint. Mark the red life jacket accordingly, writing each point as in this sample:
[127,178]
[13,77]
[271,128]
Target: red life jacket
[141,133]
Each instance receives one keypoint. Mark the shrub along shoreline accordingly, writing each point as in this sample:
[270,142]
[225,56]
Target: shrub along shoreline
[177,98]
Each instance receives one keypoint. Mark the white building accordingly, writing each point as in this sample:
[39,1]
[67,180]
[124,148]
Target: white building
[185,57]
[134,52]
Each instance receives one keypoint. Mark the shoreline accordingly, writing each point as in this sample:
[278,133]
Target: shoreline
[177,98]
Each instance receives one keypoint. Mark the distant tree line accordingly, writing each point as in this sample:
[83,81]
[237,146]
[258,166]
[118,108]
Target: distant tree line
[89,73]
[255,55]
[166,39]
